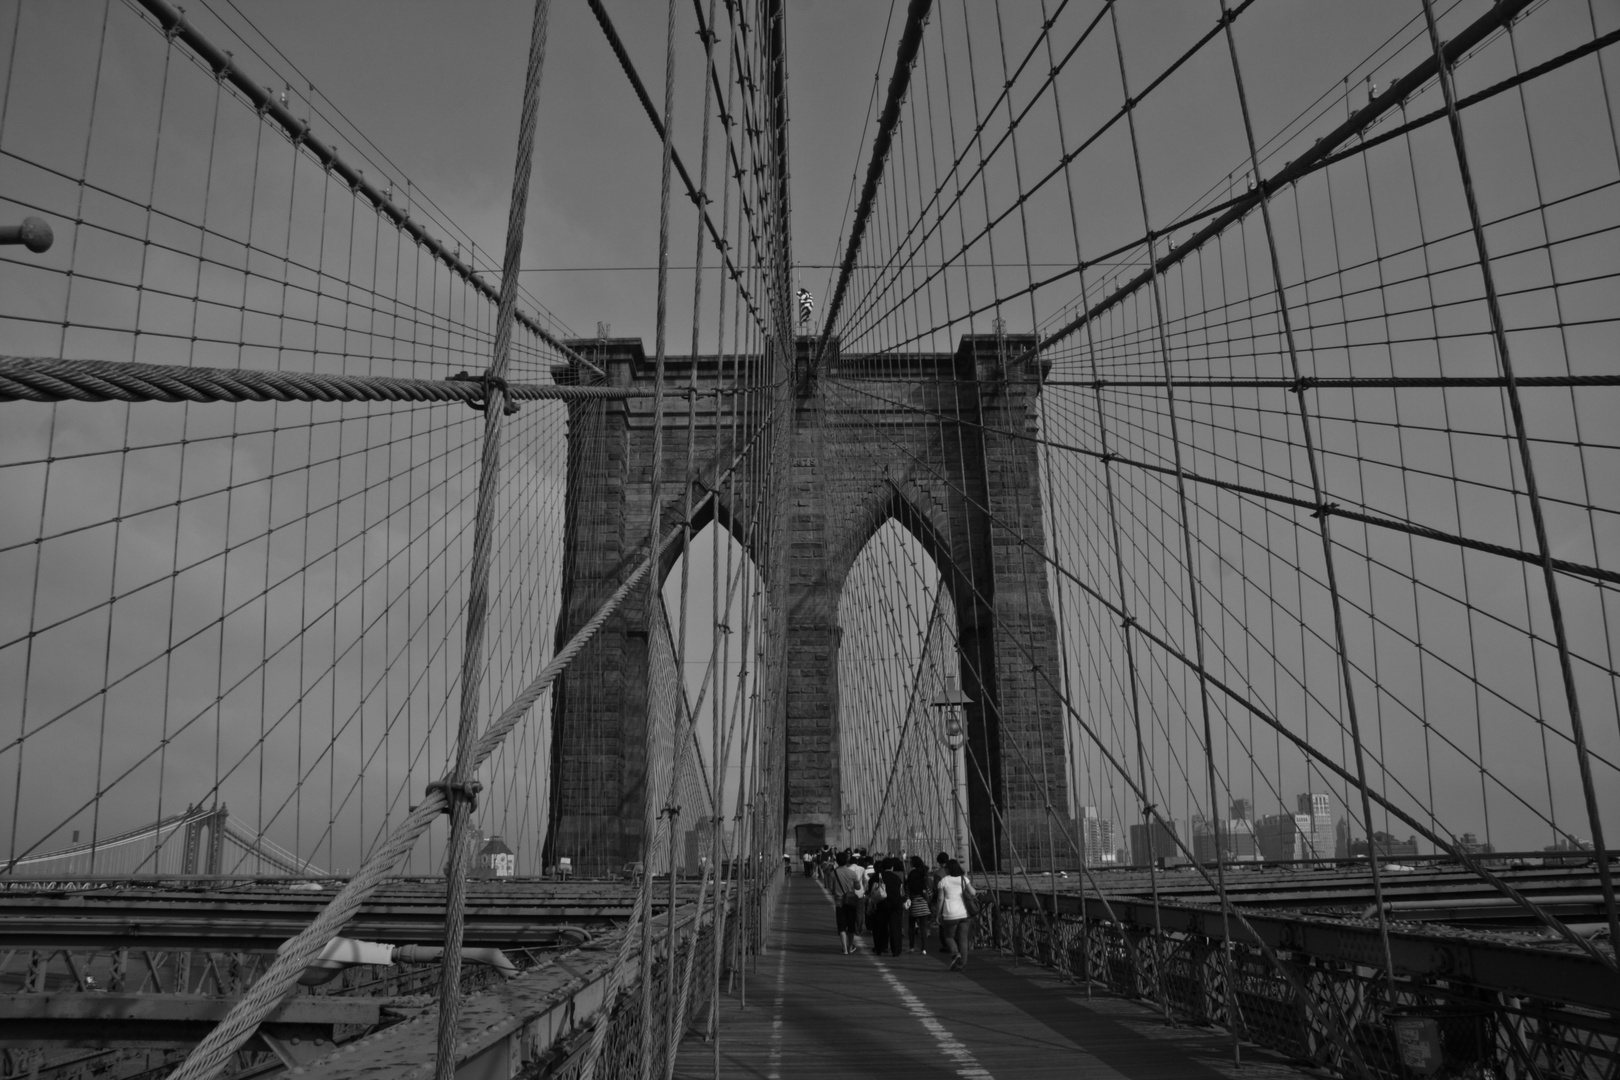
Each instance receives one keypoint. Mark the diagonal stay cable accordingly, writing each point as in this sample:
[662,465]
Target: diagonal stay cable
[905,57]
[462,790]
[692,192]
[173,22]
[911,706]
[1450,846]
[210,1055]
[1327,507]
[221,1045]
[1498,16]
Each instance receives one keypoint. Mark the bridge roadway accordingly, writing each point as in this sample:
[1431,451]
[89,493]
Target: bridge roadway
[813,1012]
[234,914]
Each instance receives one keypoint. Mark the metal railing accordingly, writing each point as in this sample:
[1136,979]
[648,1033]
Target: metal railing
[1464,1012]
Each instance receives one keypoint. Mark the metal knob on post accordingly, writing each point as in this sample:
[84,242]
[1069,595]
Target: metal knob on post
[34,233]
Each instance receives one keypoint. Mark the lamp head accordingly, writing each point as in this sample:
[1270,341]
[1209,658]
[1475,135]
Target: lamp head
[951,703]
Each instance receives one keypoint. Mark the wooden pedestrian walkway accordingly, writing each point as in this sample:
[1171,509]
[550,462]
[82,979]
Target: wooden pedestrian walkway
[814,1012]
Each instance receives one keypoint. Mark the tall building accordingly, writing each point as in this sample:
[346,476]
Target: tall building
[1098,837]
[1163,846]
[1576,844]
[1315,819]
[1388,846]
[1275,835]
[1241,809]
[1341,839]
[1204,839]
[1240,840]
[1236,840]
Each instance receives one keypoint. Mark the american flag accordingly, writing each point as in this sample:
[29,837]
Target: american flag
[807,304]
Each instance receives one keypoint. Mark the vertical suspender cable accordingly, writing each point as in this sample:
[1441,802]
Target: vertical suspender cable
[461,790]
[1322,515]
[1190,553]
[720,640]
[905,56]
[1555,608]
[686,717]
[654,513]
[1148,812]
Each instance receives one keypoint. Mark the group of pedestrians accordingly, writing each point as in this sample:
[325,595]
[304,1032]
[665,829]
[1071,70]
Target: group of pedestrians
[897,903]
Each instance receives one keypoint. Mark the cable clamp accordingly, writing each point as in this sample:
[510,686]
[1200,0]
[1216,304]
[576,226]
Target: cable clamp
[454,792]
[709,38]
[1303,383]
[1099,384]
[1324,509]
[1107,456]
[1149,809]
[672,811]
[1128,622]
[489,383]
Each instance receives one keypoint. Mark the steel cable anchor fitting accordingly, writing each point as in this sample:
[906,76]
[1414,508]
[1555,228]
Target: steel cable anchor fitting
[489,383]
[453,791]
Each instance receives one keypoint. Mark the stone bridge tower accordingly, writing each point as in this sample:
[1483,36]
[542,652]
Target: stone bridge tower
[957,468]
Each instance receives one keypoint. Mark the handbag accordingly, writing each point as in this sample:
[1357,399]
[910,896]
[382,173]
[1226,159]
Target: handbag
[878,892]
[918,908]
[970,900]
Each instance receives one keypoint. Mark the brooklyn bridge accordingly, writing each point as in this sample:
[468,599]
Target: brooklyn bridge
[1139,465]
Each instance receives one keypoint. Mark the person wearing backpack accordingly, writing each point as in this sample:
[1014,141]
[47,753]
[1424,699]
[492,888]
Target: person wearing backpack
[957,904]
[869,905]
[848,888]
[877,905]
[892,914]
[918,913]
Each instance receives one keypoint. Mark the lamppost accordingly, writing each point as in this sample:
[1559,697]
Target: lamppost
[954,735]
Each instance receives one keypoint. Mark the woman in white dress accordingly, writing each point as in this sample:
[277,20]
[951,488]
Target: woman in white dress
[953,912]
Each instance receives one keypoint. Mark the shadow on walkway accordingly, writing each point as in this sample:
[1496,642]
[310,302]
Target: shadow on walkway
[814,1012]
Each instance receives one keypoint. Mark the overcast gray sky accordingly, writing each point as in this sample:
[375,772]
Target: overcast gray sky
[435,89]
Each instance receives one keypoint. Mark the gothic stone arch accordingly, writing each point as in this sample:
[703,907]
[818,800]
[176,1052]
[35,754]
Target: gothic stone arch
[951,460]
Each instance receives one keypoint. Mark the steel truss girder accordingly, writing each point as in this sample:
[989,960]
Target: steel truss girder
[162,1021]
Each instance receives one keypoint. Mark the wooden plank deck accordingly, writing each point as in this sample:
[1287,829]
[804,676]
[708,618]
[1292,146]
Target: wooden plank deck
[814,1012]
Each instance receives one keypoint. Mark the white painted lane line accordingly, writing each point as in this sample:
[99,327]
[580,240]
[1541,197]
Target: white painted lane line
[966,1064]
[773,1065]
